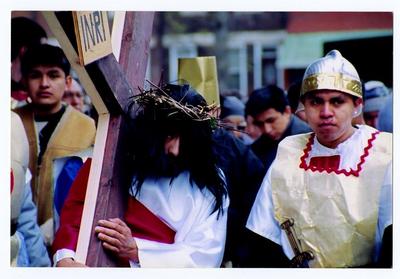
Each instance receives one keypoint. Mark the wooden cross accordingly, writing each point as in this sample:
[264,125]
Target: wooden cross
[109,85]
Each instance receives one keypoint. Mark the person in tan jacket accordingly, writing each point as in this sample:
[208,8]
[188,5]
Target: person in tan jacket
[54,129]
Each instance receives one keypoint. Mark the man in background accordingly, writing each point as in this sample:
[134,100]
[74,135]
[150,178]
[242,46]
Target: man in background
[53,128]
[232,117]
[74,95]
[375,96]
[271,113]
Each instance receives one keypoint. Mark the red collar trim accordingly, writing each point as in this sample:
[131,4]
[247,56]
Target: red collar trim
[355,172]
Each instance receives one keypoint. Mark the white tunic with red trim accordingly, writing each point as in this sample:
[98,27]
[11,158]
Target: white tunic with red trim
[340,199]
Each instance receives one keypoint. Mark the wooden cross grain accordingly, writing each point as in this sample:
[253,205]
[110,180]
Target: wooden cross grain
[110,85]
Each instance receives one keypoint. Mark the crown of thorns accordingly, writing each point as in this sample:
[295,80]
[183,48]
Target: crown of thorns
[159,98]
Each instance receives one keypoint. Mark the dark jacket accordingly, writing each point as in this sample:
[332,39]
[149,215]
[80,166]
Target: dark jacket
[266,148]
[262,252]
[244,173]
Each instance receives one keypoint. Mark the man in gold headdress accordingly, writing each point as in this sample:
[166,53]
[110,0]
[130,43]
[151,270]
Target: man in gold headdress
[327,197]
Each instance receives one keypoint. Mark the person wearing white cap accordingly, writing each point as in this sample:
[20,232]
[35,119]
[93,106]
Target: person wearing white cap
[385,117]
[375,96]
[327,197]
[232,116]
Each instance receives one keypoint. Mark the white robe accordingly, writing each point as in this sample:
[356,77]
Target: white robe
[200,235]
[262,220]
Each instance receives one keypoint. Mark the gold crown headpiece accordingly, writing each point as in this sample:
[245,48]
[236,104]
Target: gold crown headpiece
[332,72]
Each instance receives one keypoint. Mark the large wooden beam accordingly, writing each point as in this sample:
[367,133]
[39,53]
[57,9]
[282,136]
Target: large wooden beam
[116,173]
[114,90]
[110,201]
[135,48]
[61,26]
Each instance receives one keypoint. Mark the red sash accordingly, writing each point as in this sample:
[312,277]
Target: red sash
[144,224]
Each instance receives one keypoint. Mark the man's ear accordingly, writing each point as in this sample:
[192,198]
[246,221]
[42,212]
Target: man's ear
[68,81]
[358,106]
[358,102]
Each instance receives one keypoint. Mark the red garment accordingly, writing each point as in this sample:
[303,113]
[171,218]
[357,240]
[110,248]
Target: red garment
[12,181]
[147,226]
[70,219]
[19,95]
[326,162]
[142,222]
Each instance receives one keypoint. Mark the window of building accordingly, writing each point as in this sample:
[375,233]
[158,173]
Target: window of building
[236,78]
[269,75]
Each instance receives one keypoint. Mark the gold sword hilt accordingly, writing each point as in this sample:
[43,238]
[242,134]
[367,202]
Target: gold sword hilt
[300,258]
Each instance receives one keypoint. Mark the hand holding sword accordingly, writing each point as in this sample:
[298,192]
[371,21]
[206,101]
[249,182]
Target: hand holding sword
[300,258]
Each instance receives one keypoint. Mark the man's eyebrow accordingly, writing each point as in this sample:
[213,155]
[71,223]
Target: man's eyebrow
[265,120]
[314,97]
[54,70]
[258,122]
[338,97]
[34,70]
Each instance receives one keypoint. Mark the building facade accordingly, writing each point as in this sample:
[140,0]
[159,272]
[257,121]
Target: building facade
[254,49]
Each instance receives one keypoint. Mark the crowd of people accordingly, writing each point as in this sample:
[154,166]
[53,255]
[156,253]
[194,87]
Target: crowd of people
[296,178]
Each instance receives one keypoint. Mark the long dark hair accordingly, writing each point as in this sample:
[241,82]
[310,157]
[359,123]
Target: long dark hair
[155,122]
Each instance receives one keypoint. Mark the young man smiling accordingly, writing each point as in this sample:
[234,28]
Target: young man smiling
[327,197]
[53,129]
